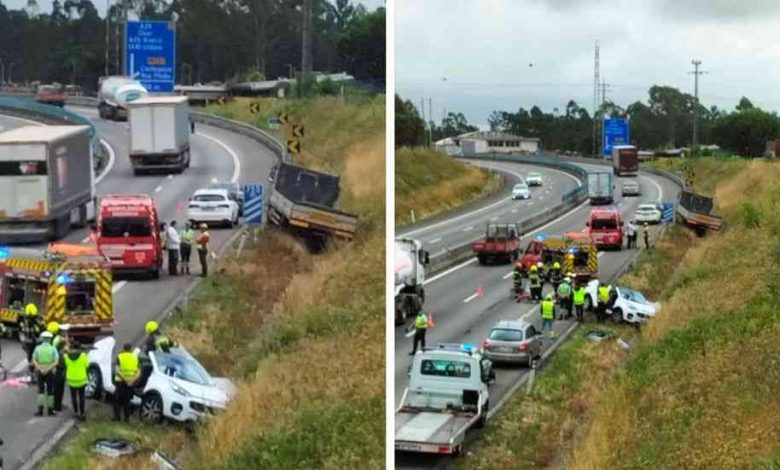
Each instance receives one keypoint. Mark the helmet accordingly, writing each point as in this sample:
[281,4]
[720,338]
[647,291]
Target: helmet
[46,335]
[53,328]
[540,264]
[534,268]
[567,279]
[549,296]
[204,226]
[31,310]
[556,265]
[151,327]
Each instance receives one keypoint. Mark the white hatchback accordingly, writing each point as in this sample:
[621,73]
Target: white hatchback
[213,206]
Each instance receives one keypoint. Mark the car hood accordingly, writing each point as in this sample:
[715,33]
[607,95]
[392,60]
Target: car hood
[647,309]
[216,394]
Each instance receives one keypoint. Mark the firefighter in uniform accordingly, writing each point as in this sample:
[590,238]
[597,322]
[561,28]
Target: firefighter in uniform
[59,373]
[31,326]
[156,340]
[535,284]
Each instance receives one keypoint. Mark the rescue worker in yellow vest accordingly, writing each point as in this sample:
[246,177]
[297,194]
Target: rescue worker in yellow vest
[564,297]
[76,363]
[31,327]
[45,360]
[126,375]
[578,298]
[59,373]
[535,284]
[601,311]
[548,311]
[420,328]
[187,237]
[156,340]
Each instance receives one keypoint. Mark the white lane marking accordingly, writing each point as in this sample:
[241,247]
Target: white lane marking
[158,189]
[118,286]
[530,310]
[471,227]
[435,240]
[541,197]
[473,260]
[508,275]
[236,160]
[470,298]
[658,187]
[111,160]
[600,253]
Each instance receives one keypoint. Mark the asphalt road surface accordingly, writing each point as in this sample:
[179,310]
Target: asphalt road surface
[469,224]
[216,154]
[463,316]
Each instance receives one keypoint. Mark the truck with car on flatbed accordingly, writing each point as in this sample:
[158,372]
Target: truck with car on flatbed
[410,261]
[159,133]
[447,396]
[303,201]
[501,242]
[47,182]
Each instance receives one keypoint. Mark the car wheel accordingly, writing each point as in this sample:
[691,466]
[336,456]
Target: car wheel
[617,315]
[482,259]
[155,272]
[588,303]
[94,388]
[151,410]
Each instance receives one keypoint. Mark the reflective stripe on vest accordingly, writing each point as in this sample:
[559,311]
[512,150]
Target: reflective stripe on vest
[547,309]
[128,366]
[76,370]
[603,294]
[533,280]
[421,322]
[579,296]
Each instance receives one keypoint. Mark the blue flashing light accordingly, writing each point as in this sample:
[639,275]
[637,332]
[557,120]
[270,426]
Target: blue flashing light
[4,253]
[469,347]
[541,237]
[573,250]
[63,279]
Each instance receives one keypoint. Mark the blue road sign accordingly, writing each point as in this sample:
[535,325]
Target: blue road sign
[668,213]
[253,204]
[150,54]
[615,132]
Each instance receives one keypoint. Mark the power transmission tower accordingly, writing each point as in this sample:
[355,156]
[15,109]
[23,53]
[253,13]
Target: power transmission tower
[696,72]
[595,97]
[306,53]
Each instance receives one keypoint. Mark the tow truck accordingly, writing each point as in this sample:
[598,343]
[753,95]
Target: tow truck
[501,241]
[84,309]
[447,395]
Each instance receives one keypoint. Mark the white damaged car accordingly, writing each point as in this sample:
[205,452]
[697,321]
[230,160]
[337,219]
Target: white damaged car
[173,385]
[629,305]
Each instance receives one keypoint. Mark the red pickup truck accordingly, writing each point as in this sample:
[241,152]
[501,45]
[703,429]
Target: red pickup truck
[605,227]
[501,241]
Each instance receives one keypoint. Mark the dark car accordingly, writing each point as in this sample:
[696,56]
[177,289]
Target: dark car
[234,190]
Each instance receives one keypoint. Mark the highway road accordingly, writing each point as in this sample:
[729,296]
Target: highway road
[215,153]
[462,316]
[469,224]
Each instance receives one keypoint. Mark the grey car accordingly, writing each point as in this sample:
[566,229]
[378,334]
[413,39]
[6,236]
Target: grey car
[512,341]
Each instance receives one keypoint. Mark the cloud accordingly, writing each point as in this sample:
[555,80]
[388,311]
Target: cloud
[725,11]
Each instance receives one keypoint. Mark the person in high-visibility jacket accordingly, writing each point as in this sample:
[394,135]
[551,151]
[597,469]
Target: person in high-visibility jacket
[31,327]
[187,238]
[45,358]
[126,374]
[156,340]
[555,275]
[603,294]
[535,283]
[420,328]
[548,311]
[578,298]
[59,373]
[564,296]
[76,364]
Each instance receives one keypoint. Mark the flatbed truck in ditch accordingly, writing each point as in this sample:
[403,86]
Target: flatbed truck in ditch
[447,395]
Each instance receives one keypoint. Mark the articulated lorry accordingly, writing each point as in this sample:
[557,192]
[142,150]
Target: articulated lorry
[447,395]
[47,182]
[302,201]
[114,93]
[601,185]
[159,133]
[625,160]
[410,261]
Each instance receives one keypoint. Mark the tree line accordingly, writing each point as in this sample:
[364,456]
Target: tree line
[217,40]
[665,121]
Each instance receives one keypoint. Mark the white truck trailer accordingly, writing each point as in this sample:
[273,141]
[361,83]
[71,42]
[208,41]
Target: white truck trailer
[410,261]
[114,93]
[159,133]
[47,182]
[447,395]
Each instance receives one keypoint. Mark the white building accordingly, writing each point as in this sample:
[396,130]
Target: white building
[498,142]
[448,146]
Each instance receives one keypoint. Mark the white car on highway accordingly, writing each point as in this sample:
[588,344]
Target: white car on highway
[173,385]
[533,179]
[213,206]
[629,305]
[648,213]
[521,191]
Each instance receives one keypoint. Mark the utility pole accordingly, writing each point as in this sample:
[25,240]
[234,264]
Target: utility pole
[430,124]
[108,28]
[306,53]
[595,98]
[696,72]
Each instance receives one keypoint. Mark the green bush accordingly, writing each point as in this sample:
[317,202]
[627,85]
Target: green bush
[751,215]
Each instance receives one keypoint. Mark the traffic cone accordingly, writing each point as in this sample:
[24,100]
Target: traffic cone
[479,292]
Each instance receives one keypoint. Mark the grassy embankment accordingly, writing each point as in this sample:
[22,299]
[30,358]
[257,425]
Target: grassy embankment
[699,389]
[430,182]
[302,335]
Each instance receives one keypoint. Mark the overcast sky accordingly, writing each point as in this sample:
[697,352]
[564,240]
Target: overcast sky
[473,56]
[45,5]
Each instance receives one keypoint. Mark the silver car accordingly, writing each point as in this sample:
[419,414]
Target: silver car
[512,341]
